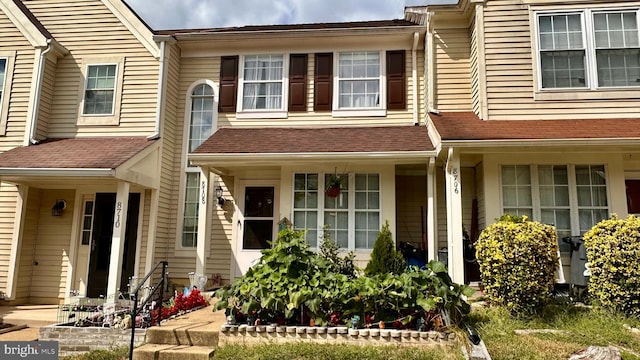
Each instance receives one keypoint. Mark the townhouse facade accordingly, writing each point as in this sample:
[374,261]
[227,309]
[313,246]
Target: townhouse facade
[122,146]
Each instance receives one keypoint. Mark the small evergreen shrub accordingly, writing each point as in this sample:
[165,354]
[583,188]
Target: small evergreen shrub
[518,260]
[385,259]
[613,252]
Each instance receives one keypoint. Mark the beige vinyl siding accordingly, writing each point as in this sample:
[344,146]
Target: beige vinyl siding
[89,30]
[482,218]
[13,40]
[141,256]
[510,76]
[411,196]
[453,69]
[52,248]
[46,97]
[27,245]
[209,68]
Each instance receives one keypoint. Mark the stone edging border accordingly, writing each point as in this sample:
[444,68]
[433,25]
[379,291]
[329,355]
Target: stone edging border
[247,334]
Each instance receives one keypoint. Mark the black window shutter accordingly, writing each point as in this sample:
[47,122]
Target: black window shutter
[323,82]
[228,84]
[396,81]
[298,82]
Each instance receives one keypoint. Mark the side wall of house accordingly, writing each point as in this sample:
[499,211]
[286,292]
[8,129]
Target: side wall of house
[51,257]
[511,80]
[453,69]
[91,33]
[46,97]
[27,247]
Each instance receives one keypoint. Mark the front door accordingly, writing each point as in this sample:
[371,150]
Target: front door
[100,247]
[257,224]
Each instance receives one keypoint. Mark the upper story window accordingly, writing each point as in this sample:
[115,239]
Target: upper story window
[202,112]
[262,83]
[3,72]
[6,71]
[359,80]
[99,93]
[589,49]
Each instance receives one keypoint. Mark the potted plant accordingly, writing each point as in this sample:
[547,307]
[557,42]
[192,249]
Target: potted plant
[333,186]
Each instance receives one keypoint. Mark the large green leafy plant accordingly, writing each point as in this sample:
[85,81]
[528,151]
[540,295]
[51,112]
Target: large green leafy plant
[613,252]
[518,260]
[292,284]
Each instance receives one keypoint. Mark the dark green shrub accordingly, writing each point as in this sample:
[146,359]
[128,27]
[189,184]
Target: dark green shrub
[330,251]
[613,252]
[385,259]
[518,260]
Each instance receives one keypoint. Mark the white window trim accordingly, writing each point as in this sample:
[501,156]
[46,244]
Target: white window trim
[9,56]
[573,191]
[351,245]
[101,119]
[281,113]
[180,250]
[591,90]
[359,112]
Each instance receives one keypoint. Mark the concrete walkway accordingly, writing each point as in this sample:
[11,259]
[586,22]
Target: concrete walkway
[32,316]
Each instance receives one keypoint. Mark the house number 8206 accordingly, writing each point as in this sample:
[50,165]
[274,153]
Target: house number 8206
[203,196]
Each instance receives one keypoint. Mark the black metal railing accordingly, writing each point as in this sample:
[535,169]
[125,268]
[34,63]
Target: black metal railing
[158,287]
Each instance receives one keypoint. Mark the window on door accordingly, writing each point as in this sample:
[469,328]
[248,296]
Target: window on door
[573,198]
[258,217]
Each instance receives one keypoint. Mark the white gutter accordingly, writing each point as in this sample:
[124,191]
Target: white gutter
[89,172]
[311,156]
[38,90]
[161,92]
[414,76]
[541,142]
[213,34]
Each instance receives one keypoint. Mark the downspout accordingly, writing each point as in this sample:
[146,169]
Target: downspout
[160,98]
[38,90]
[431,60]
[414,76]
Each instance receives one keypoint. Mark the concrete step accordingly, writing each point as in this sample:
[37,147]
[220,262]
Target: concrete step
[194,334]
[172,352]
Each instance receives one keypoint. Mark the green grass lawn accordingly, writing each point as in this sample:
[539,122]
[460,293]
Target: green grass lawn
[581,327]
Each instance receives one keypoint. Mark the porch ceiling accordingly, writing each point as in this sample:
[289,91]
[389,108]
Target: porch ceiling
[82,160]
[244,146]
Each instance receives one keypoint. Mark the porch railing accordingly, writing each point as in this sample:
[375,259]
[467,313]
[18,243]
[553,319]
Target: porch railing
[158,287]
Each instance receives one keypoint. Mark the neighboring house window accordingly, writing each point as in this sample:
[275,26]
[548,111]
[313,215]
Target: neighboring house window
[262,82]
[352,218]
[572,198]
[3,73]
[200,127]
[589,49]
[100,89]
[359,80]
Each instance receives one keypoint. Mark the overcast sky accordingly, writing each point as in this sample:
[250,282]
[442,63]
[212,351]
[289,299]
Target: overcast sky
[192,14]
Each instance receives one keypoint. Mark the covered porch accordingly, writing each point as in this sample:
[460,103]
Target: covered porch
[82,217]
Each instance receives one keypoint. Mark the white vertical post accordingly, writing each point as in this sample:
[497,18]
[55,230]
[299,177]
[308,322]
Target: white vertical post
[454,217]
[16,241]
[117,241]
[203,205]
[432,232]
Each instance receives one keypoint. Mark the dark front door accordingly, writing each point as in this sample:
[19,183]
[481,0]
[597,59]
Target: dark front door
[105,205]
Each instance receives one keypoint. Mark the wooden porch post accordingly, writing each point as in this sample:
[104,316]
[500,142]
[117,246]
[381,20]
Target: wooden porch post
[117,241]
[454,217]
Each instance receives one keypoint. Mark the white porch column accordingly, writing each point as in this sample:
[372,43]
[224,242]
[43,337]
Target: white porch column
[16,241]
[117,241]
[454,216]
[203,221]
[432,219]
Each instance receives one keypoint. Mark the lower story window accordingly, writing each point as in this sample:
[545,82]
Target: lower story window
[352,218]
[573,198]
[190,217]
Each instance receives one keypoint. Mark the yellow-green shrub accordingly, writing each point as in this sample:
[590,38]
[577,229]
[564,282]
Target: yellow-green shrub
[613,252]
[518,260]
